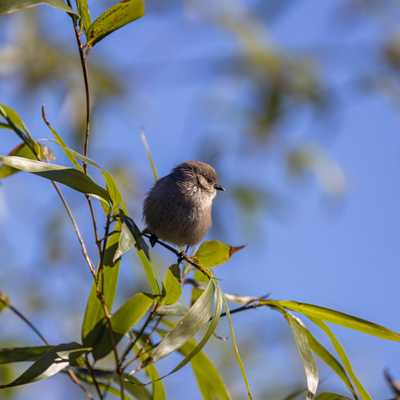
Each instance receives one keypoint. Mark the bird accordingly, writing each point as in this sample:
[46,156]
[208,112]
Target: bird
[178,208]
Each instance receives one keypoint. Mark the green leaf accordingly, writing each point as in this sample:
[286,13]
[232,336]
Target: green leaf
[18,354]
[48,364]
[15,121]
[149,271]
[331,396]
[114,18]
[83,11]
[343,357]
[156,383]
[4,301]
[67,176]
[338,318]
[300,334]
[122,321]
[330,361]
[22,150]
[172,285]
[149,156]
[134,230]
[214,252]
[93,320]
[236,350]
[196,318]
[10,6]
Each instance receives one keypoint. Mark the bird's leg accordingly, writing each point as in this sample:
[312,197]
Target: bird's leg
[153,239]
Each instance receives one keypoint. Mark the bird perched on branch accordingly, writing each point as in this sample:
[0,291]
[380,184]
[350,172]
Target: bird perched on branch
[178,207]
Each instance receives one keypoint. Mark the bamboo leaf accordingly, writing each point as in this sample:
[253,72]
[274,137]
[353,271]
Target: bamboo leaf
[83,11]
[50,363]
[93,320]
[172,285]
[343,357]
[122,321]
[114,18]
[67,176]
[10,6]
[338,318]
[300,334]
[197,317]
[236,351]
[214,252]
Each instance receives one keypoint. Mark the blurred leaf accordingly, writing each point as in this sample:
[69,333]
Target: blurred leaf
[331,396]
[4,301]
[114,18]
[50,363]
[300,334]
[214,252]
[149,271]
[10,6]
[122,321]
[93,320]
[17,354]
[134,387]
[196,318]
[83,11]
[67,176]
[338,318]
[126,242]
[343,357]
[149,156]
[311,158]
[236,350]
[156,383]
[172,285]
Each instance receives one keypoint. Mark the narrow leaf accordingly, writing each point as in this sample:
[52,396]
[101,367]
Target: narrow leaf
[156,383]
[236,350]
[93,321]
[83,11]
[114,18]
[149,271]
[149,156]
[338,318]
[14,120]
[67,176]
[172,285]
[122,321]
[197,317]
[343,356]
[10,6]
[331,396]
[303,346]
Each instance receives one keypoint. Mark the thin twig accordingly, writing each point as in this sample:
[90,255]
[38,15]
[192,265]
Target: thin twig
[93,376]
[180,254]
[25,319]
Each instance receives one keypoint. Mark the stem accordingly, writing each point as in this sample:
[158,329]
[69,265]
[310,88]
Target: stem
[93,376]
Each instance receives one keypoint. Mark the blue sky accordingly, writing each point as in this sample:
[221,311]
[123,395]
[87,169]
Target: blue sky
[342,254]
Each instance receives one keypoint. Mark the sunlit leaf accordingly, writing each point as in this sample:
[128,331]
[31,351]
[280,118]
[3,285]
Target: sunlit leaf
[303,346]
[236,351]
[214,252]
[48,364]
[15,122]
[331,396]
[114,18]
[149,156]
[343,357]
[149,271]
[93,322]
[10,6]
[158,391]
[172,285]
[338,318]
[83,11]
[67,176]
[330,361]
[122,321]
[135,236]
[196,318]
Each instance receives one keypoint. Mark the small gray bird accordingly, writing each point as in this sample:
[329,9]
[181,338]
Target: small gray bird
[178,207]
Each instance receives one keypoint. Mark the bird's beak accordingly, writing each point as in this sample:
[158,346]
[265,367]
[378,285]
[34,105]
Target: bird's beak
[219,187]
